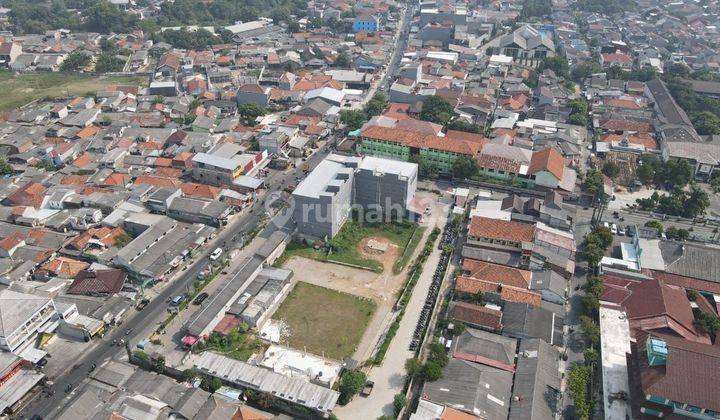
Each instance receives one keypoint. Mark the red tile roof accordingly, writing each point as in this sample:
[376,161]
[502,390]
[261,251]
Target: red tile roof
[484,227]
[477,315]
[419,140]
[497,273]
[98,282]
[30,195]
[547,160]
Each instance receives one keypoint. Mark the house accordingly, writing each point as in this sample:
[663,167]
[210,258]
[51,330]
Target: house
[536,391]
[525,44]
[9,51]
[547,167]
[500,234]
[16,381]
[105,282]
[474,388]
[483,317]
[253,94]
[366,23]
[523,321]
[621,60]
[673,377]
[168,64]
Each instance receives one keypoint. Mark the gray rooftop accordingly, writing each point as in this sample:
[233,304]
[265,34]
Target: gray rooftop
[472,387]
[17,308]
[522,320]
[290,389]
[324,174]
[486,345]
[537,382]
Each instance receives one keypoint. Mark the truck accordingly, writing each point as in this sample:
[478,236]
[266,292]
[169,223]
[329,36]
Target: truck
[367,389]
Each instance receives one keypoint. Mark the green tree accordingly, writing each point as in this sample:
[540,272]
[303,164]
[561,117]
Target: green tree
[425,169]
[107,63]
[343,60]
[696,203]
[679,70]
[436,109]
[432,371]
[75,61]
[438,354]
[462,125]
[104,17]
[706,123]
[584,70]
[351,382]
[353,119]
[591,330]
[413,366]
[557,64]
[594,182]
[250,112]
[578,388]
[655,224]
[611,169]
[649,164]
[376,105]
[399,403]
[465,167]
[5,168]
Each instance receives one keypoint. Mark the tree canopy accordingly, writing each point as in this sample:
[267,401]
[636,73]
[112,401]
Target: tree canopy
[436,109]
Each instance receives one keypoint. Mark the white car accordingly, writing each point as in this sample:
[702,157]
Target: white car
[216,254]
[613,229]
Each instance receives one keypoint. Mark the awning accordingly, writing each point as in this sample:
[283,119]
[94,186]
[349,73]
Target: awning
[17,386]
[31,354]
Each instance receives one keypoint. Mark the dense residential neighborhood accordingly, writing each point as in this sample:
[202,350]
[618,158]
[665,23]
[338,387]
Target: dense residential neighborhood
[355,209]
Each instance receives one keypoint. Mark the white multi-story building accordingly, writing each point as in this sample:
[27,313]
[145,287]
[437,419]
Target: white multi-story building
[22,317]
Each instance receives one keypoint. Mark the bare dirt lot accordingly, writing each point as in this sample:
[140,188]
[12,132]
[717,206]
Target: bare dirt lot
[368,249]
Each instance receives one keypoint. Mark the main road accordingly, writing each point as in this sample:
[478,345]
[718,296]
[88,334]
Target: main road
[47,406]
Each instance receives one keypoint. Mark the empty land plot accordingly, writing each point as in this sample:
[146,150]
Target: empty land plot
[345,245]
[324,321]
[21,89]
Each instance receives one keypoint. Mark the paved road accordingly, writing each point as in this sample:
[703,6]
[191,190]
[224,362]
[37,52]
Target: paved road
[401,38]
[45,406]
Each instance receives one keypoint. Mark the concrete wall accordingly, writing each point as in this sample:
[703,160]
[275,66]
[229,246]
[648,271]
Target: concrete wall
[377,190]
[324,216]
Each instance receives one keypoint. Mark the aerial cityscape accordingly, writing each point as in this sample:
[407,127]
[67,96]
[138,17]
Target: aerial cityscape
[359,209]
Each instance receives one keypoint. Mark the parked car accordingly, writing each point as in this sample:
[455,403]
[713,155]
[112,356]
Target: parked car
[143,303]
[216,254]
[613,229]
[367,389]
[177,300]
[199,299]
[621,230]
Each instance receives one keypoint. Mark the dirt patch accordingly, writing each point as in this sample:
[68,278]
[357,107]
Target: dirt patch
[379,249]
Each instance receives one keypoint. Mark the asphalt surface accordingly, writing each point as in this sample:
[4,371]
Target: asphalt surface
[46,406]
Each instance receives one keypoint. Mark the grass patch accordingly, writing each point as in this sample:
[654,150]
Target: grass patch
[343,246]
[409,249]
[21,89]
[325,321]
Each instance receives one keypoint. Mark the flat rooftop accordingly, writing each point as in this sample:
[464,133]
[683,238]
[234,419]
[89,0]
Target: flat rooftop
[614,347]
[388,166]
[317,181]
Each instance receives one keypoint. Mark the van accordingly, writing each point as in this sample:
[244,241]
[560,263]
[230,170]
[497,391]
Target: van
[200,298]
[216,254]
[177,300]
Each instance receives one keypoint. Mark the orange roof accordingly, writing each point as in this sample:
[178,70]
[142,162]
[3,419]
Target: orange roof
[643,139]
[117,178]
[74,179]
[547,160]
[87,132]
[157,181]
[30,195]
[453,414]
[519,294]
[623,103]
[419,140]
[497,273]
[199,190]
[161,161]
[10,242]
[83,160]
[484,227]
[462,135]
[168,172]
[66,267]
